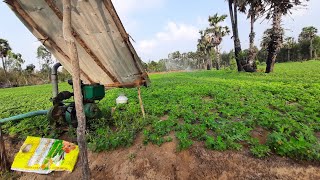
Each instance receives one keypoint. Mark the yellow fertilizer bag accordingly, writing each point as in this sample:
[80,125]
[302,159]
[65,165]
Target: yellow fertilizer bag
[43,155]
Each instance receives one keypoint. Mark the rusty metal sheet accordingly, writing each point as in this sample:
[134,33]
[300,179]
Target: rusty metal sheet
[106,54]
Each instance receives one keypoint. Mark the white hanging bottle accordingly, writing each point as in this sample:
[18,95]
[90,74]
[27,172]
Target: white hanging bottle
[122,99]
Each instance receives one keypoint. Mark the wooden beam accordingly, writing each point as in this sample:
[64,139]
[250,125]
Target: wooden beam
[4,165]
[81,129]
[141,102]
[126,85]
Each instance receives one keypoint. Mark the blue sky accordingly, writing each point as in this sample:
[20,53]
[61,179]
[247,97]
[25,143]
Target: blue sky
[163,26]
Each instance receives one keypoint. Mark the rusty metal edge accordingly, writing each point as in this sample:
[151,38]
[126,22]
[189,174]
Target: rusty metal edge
[16,7]
[110,7]
[76,35]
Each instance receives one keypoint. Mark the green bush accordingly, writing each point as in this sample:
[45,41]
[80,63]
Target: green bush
[260,151]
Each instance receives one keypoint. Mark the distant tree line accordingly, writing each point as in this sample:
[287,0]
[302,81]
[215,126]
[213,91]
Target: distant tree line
[304,47]
[13,74]
[275,47]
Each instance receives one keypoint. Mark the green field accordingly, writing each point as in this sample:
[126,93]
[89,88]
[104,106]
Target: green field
[223,109]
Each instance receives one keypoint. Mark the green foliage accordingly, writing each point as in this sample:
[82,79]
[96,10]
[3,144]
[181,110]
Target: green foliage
[260,151]
[184,140]
[218,108]
[308,33]
[216,144]
[156,66]
[158,131]
[297,145]
[233,64]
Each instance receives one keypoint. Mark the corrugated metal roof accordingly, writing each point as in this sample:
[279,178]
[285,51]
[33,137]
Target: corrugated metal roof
[106,54]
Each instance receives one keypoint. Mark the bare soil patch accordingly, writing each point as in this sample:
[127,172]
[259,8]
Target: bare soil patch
[207,98]
[261,134]
[165,117]
[154,162]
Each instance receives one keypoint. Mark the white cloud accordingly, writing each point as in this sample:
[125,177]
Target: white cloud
[174,31]
[147,46]
[127,8]
[175,36]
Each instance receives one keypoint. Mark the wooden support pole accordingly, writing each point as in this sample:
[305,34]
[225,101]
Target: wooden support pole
[141,103]
[4,165]
[67,33]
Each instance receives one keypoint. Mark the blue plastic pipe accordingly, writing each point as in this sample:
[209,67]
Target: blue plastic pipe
[22,116]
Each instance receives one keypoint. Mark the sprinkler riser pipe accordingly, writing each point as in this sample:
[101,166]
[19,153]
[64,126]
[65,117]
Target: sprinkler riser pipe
[55,80]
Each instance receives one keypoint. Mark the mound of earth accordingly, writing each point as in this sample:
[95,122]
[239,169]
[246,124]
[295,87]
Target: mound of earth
[164,162]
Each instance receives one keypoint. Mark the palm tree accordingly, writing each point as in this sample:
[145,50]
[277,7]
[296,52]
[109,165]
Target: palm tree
[217,33]
[212,38]
[289,43]
[256,9]
[266,38]
[205,47]
[233,10]
[309,33]
[275,12]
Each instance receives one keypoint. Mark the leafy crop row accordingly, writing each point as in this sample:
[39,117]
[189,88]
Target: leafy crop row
[222,109]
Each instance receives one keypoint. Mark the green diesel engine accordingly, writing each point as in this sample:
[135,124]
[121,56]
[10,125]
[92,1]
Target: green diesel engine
[64,111]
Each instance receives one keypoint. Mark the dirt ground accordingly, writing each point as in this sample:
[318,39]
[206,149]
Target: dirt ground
[153,162]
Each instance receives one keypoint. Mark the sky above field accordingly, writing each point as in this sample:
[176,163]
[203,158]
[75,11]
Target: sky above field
[159,27]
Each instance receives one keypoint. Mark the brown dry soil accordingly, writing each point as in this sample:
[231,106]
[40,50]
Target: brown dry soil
[154,162]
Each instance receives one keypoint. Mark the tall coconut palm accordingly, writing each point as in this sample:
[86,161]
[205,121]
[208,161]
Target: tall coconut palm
[288,44]
[309,33]
[276,10]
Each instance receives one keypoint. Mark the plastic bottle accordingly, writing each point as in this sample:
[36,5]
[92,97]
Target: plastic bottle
[122,99]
